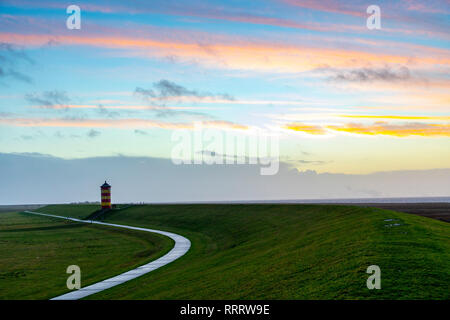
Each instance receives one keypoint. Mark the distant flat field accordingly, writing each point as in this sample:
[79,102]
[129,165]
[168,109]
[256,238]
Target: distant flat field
[434,210]
[36,251]
[16,208]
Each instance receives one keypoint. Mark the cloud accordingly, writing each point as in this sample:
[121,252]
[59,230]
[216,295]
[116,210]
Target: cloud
[145,92]
[377,128]
[435,6]
[211,156]
[387,74]
[130,123]
[60,135]
[261,16]
[358,116]
[137,179]
[313,162]
[107,113]
[15,75]
[141,132]
[396,130]
[10,56]
[357,10]
[93,133]
[49,99]
[164,90]
[14,52]
[200,10]
[306,128]
[223,124]
[423,21]
[163,113]
[32,154]
[103,109]
[242,54]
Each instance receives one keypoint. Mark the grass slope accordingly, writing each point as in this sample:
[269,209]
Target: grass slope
[35,252]
[292,252]
[79,211]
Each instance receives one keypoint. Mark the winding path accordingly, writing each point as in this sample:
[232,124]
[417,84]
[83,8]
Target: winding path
[182,246]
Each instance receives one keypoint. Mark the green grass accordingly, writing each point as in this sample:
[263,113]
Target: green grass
[289,252]
[79,211]
[292,252]
[35,252]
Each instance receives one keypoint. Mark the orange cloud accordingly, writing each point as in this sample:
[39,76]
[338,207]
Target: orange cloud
[327,6]
[116,123]
[382,128]
[237,54]
[378,128]
[443,118]
[306,128]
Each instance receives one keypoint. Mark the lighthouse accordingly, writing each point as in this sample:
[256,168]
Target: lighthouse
[106,195]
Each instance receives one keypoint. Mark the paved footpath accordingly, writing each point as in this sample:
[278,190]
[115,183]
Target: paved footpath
[182,246]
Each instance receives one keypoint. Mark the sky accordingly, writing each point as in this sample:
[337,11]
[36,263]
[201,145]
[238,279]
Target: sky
[341,98]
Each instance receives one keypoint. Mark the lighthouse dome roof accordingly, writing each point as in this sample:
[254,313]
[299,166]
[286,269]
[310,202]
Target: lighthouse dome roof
[105,185]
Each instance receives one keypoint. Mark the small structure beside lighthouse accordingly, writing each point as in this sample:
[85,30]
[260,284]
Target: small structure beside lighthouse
[106,196]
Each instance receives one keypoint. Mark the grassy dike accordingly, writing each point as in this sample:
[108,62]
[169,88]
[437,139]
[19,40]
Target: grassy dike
[35,252]
[240,252]
[292,252]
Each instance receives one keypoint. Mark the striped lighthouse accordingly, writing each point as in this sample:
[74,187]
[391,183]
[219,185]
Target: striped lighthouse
[106,196]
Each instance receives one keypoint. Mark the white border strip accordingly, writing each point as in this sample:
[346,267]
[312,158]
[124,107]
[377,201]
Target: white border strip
[182,246]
